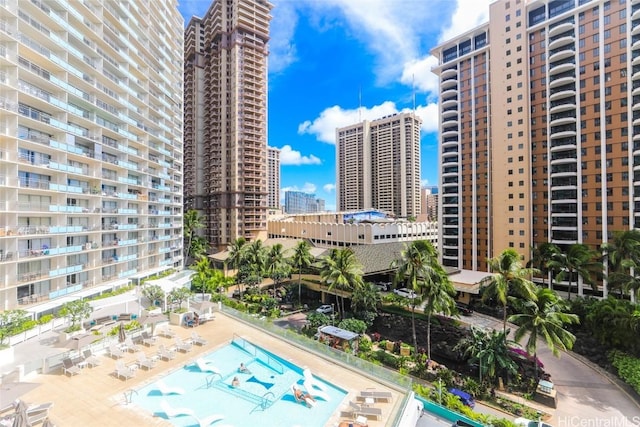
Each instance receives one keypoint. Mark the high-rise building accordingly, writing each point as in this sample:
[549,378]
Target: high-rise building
[378,165]
[298,202]
[273,155]
[90,146]
[539,128]
[226,119]
[430,203]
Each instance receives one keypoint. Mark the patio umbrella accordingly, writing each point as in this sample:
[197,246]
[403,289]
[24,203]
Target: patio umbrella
[11,391]
[21,419]
[122,335]
[152,320]
[203,305]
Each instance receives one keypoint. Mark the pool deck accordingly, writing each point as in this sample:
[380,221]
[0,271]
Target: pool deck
[97,397]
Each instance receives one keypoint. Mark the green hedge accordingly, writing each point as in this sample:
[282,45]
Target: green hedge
[628,368]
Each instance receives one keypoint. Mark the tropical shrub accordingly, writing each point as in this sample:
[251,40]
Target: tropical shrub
[628,368]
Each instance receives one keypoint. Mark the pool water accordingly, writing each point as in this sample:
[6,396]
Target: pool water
[263,398]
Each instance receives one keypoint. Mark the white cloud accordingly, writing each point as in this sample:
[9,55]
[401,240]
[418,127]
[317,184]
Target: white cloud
[282,49]
[328,188]
[324,127]
[424,183]
[467,15]
[417,73]
[289,156]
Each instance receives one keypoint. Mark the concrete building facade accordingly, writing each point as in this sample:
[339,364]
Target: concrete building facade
[378,165]
[539,128]
[226,119]
[90,146]
[273,168]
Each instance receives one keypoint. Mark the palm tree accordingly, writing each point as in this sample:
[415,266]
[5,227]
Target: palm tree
[490,350]
[578,259]
[192,223]
[236,259]
[365,302]
[300,259]
[256,262]
[277,266]
[622,257]
[509,276]
[341,270]
[416,267]
[542,254]
[203,273]
[544,318]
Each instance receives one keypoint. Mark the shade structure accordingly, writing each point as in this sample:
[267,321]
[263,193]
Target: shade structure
[11,391]
[153,320]
[79,342]
[122,335]
[203,306]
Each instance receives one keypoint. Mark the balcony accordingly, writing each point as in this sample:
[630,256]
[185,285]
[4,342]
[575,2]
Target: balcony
[559,29]
[557,43]
[562,66]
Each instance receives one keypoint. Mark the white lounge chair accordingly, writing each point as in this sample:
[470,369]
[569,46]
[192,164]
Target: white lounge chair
[123,371]
[69,367]
[115,351]
[164,389]
[166,332]
[184,346]
[175,412]
[207,421]
[148,339]
[130,345]
[166,353]
[90,358]
[206,366]
[197,339]
[308,376]
[377,395]
[145,362]
[314,391]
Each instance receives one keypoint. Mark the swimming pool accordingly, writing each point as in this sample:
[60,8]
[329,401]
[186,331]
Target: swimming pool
[264,397]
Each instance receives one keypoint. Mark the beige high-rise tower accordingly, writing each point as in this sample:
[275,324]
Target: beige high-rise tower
[378,165]
[539,129]
[90,148]
[274,177]
[226,119]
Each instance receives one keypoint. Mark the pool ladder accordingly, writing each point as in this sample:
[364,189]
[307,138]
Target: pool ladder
[212,377]
[265,402]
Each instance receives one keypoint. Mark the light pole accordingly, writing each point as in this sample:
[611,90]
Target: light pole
[440,390]
[333,315]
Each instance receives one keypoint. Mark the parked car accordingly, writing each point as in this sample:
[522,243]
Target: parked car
[404,292]
[383,286]
[524,422]
[464,309]
[461,423]
[465,397]
[325,309]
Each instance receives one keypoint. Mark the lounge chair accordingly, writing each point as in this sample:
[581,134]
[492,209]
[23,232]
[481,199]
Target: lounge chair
[197,339]
[115,351]
[147,339]
[166,332]
[358,410]
[315,392]
[207,421]
[90,359]
[184,346]
[175,412]
[69,367]
[166,353]
[165,389]
[307,401]
[206,366]
[308,376]
[130,345]
[123,371]
[145,362]
[38,413]
[377,395]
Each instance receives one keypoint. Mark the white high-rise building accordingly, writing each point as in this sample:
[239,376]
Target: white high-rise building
[90,146]
[273,159]
[378,165]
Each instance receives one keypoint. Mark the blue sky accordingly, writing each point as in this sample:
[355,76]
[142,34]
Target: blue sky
[334,63]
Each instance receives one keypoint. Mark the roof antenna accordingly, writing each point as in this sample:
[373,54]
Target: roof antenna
[360,103]
[413,91]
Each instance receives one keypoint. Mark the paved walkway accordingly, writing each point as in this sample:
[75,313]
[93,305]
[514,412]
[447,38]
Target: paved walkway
[586,398]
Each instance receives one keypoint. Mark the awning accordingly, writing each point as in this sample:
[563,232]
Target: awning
[339,333]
